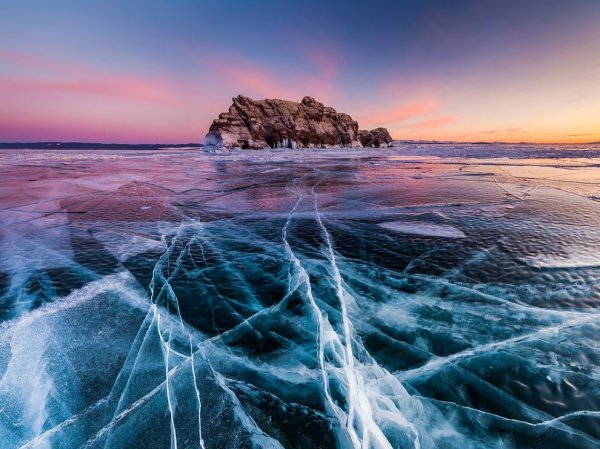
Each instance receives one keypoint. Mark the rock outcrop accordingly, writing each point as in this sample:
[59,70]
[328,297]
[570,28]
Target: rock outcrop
[273,123]
[378,137]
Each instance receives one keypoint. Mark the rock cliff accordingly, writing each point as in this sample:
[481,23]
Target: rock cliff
[378,137]
[273,123]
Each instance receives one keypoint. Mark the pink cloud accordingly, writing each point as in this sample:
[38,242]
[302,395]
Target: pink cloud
[397,113]
[97,127]
[77,78]
[322,59]
[37,63]
[22,59]
[256,80]
[50,99]
[125,87]
[432,123]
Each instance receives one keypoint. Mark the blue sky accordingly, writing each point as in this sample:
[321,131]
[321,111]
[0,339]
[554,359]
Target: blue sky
[158,71]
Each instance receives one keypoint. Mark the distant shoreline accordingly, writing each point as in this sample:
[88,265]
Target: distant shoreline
[198,146]
[93,146]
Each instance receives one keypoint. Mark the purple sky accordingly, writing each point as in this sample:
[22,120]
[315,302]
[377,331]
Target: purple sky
[160,71]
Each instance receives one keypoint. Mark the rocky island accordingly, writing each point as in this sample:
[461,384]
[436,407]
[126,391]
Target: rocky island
[274,123]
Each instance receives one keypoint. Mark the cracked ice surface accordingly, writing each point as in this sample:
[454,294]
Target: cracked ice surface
[421,297]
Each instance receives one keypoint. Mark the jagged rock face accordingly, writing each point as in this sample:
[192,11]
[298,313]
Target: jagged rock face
[272,123]
[378,137]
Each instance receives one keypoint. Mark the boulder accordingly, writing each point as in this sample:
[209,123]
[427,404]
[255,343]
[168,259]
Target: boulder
[376,138]
[274,123]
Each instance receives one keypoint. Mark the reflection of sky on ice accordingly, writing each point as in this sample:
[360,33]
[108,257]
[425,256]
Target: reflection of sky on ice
[339,298]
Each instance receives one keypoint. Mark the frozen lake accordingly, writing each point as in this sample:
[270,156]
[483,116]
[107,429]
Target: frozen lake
[426,296]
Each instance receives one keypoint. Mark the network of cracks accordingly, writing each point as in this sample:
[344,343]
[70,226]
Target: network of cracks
[312,323]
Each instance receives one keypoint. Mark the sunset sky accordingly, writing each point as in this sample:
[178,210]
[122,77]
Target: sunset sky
[160,71]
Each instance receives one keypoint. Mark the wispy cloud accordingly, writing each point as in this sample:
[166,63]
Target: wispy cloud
[254,80]
[55,76]
[124,87]
[574,100]
[503,131]
[436,122]
[398,113]
[323,59]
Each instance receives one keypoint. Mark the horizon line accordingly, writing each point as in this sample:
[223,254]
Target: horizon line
[424,141]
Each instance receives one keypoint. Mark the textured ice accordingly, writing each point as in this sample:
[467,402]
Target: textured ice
[124,246]
[300,299]
[580,258]
[426,229]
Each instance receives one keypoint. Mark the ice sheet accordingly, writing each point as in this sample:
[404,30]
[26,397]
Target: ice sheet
[425,296]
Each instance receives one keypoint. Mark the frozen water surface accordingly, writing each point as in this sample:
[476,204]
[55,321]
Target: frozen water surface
[420,228]
[425,296]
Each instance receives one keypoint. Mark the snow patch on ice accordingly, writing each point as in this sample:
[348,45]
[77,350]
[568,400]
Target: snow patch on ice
[125,246]
[426,229]
[578,259]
